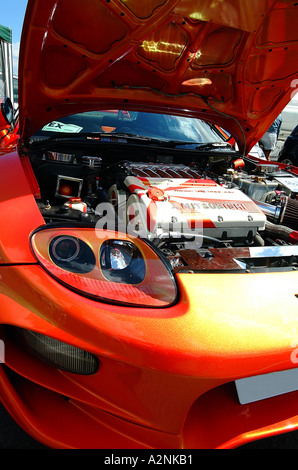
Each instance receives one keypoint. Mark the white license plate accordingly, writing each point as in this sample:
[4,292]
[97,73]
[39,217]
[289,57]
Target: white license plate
[259,387]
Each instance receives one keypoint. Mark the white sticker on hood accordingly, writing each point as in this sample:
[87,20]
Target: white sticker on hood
[56,126]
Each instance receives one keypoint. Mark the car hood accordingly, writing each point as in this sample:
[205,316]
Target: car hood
[232,62]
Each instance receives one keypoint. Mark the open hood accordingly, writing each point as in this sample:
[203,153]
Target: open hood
[233,62]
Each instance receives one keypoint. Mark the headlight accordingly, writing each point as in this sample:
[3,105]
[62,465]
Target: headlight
[71,254]
[96,263]
[121,261]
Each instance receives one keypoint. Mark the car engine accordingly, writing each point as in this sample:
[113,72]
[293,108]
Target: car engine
[177,199]
[209,213]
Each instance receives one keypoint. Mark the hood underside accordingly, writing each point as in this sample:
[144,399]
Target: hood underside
[232,62]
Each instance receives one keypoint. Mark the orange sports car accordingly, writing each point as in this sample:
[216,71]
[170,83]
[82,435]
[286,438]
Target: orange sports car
[148,270]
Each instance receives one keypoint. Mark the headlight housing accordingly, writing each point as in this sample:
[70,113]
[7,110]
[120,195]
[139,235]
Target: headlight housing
[107,266]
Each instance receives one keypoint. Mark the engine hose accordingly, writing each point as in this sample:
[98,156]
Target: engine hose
[259,240]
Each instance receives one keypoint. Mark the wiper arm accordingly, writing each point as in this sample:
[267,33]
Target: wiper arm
[45,139]
[92,137]
[123,137]
[174,143]
[214,146]
[154,140]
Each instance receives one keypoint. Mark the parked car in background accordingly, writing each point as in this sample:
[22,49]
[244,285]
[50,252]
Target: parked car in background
[289,117]
[289,151]
[289,122]
[148,270]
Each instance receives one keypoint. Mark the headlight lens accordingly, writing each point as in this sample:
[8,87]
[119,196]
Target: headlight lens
[72,254]
[100,265]
[65,249]
[121,261]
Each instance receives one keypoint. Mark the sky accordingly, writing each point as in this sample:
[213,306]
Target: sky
[12,15]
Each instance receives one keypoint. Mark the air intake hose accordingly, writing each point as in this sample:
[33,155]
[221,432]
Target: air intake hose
[290,213]
[280,231]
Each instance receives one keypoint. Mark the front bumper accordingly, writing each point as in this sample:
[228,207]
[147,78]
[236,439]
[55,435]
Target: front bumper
[166,378]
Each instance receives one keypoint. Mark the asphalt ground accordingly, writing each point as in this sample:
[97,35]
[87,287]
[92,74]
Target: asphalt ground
[13,437]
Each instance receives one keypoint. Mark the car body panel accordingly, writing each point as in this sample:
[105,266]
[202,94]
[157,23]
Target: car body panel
[168,370]
[17,205]
[121,334]
[9,139]
[167,56]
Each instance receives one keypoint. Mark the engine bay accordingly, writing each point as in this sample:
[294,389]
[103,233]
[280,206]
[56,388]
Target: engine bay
[203,211]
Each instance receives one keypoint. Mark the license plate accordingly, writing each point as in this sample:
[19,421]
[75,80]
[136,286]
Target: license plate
[260,387]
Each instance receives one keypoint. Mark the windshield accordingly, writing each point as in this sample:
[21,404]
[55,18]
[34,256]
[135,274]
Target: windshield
[155,126]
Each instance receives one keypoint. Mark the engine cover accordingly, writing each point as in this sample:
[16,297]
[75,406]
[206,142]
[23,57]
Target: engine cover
[190,205]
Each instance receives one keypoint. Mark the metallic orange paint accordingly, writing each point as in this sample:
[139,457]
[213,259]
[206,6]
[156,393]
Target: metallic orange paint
[172,389]
[233,62]
[166,374]
[16,203]
[9,137]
